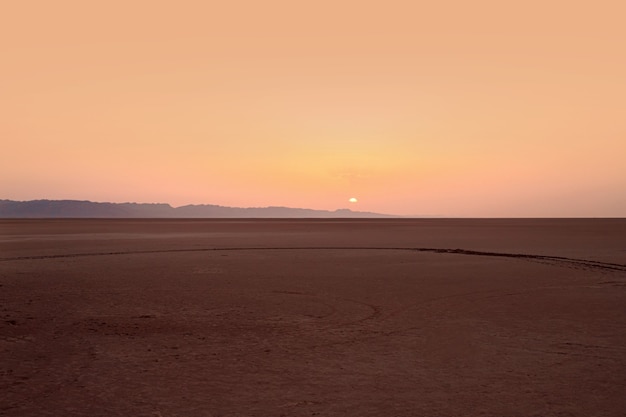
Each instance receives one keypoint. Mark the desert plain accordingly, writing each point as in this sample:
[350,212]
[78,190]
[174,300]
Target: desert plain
[393,317]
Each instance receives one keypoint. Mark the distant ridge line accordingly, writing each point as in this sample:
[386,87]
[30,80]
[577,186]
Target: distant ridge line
[102,210]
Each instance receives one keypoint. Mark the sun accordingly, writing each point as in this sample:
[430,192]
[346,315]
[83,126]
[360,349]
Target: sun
[353,200]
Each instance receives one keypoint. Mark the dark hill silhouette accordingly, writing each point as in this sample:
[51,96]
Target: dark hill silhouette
[89,209]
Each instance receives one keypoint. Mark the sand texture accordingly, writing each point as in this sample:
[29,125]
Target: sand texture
[199,318]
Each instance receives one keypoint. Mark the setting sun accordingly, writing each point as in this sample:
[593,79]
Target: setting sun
[495,110]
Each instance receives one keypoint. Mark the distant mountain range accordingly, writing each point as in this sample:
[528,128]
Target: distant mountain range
[89,209]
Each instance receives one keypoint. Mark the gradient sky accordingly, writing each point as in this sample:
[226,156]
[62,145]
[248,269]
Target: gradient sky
[451,108]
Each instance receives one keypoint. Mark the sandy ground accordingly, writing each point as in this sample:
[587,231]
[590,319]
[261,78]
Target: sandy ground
[206,318]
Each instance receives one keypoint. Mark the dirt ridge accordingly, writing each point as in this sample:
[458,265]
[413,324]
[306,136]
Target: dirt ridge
[558,259]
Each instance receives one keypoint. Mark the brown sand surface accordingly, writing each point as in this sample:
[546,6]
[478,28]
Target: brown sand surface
[185,318]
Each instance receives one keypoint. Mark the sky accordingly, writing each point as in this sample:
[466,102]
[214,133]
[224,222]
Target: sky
[446,108]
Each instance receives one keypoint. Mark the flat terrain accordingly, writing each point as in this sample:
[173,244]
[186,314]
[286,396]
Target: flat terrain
[186,318]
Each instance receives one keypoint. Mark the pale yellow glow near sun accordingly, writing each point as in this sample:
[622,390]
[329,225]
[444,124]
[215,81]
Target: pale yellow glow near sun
[353,200]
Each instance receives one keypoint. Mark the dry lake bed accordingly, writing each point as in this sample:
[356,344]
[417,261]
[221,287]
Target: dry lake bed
[411,317]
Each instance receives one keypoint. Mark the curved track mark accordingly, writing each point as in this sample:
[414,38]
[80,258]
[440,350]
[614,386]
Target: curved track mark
[374,313]
[558,259]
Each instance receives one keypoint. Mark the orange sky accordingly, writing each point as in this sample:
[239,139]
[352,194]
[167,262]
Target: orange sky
[450,108]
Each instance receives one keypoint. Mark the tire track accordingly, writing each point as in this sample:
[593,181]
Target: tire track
[374,313]
[554,260]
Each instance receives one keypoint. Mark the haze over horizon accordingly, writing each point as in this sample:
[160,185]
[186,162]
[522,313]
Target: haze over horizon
[455,109]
